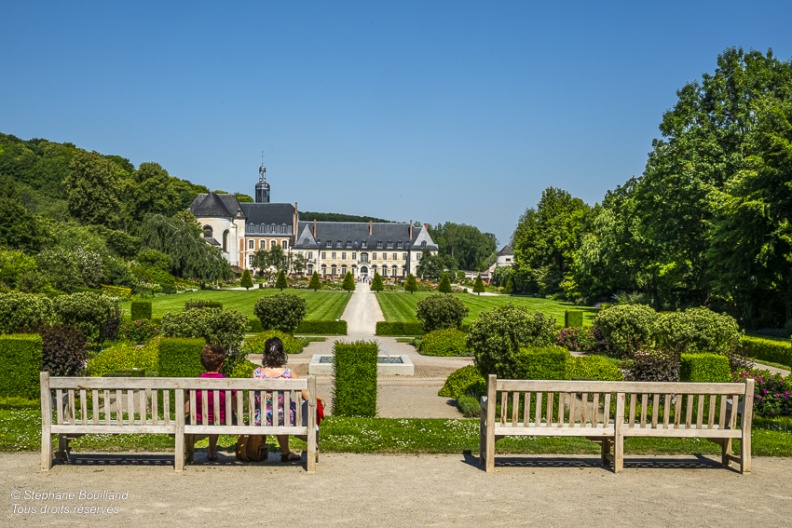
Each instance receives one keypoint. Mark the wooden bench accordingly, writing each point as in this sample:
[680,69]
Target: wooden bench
[607,412]
[72,406]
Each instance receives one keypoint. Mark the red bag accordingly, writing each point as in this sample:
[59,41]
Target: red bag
[319,412]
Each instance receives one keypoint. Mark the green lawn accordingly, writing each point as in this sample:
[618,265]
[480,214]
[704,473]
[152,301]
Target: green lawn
[401,306]
[322,305]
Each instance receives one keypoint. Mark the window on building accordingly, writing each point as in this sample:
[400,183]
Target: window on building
[329,244]
[399,245]
[208,231]
[379,245]
[273,243]
[404,256]
[343,255]
[364,257]
[339,244]
[310,269]
[305,241]
[343,269]
[324,255]
[251,244]
[394,257]
[374,256]
[324,270]
[423,244]
[333,270]
[394,271]
[310,255]
[333,255]
[354,255]
[384,271]
[225,240]
[285,244]
[363,244]
[355,245]
[250,261]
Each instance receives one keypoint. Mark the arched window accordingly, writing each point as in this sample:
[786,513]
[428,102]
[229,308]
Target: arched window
[343,269]
[395,271]
[324,270]
[225,240]
[207,231]
[273,243]
[310,269]
[333,270]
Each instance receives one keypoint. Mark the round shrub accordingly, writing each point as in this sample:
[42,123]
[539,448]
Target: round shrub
[497,336]
[596,368]
[447,342]
[98,317]
[625,328]
[577,339]
[24,311]
[242,369]
[217,327]
[63,351]
[138,331]
[439,311]
[255,344]
[697,330]
[653,365]
[282,312]
[125,356]
[462,381]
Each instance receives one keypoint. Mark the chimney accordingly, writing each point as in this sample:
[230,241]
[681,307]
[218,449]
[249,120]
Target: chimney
[410,230]
[314,227]
[295,221]
[371,227]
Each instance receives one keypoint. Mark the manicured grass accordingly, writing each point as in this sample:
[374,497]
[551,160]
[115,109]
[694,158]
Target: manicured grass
[401,306]
[20,430]
[322,305]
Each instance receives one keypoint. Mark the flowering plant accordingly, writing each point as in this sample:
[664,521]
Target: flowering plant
[577,339]
[138,331]
[771,392]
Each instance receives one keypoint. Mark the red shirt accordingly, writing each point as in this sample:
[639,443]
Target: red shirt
[210,396]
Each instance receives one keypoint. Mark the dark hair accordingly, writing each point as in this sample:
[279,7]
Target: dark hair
[212,356]
[274,355]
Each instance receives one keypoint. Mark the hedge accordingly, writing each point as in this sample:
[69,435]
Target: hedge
[542,363]
[180,357]
[596,368]
[24,311]
[713,368]
[355,378]
[461,381]
[194,304]
[140,310]
[125,357]
[22,354]
[573,318]
[392,328]
[322,328]
[768,350]
[446,342]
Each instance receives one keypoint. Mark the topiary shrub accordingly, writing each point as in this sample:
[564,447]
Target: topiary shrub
[704,368]
[139,331]
[199,304]
[282,312]
[246,281]
[355,378]
[180,357]
[625,328]
[255,344]
[542,363]
[140,310]
[96,316]
[697,330]
[439,311]
[315,283]
[573,318]
[653,365]
[125,357]
[63,351]
[398,328]
[463,380]
[22,355]
[281,281]
[597,368]
[349,282]
[411,285]
[24,312]
[498,335]
[445,284]
[446,342]
[322,328]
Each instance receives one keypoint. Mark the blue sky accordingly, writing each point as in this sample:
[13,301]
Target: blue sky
[434,111]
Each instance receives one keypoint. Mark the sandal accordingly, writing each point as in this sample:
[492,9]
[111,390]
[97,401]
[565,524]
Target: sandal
[290,457]
[212,458]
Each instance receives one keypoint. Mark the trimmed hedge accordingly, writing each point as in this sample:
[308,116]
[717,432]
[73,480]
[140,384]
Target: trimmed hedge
[199,304]
[596,368]
[22,355]
[768,350]
[125,357]
[542,363]
[463,380]
[355,378]
[255,344]
[447,342]
[322,328]
[704,368]
[573,318]
[180,357]
[140,310]
[121,292]
[395,328]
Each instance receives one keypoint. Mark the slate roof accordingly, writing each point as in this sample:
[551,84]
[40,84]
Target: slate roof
[268,213]
[507,250]
[215,205]
[353,235]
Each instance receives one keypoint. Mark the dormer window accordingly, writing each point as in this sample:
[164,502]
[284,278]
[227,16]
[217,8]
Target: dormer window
[363,244]
[423,244]
[339,244]
[329,244]
[379,245]
[399,245]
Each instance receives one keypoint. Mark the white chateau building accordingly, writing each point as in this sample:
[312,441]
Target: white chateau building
[332,249]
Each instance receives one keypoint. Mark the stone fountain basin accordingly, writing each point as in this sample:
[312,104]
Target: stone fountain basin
[393,365]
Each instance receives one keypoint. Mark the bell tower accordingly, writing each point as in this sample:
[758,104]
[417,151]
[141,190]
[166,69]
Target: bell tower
[262,187]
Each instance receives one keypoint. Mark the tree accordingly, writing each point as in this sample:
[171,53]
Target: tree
[376,283]
[314,284]
[93,189]
[281,282]
[282,312]
[349,282]
[440,311]
[478,285]
[149,190]
[445,284]
[247,280]
[469,248]
[411,285]
[431,266]
[298,263]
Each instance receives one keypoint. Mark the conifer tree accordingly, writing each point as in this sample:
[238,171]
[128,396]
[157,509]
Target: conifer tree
[411,285]
[376,283]
[315,284]
[349,282]
[478,286]
[281,283]
[247,280]
[445,284]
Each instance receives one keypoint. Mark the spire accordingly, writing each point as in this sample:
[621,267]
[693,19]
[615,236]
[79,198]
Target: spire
[262,187]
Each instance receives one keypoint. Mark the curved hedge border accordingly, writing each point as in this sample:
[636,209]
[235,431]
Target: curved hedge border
[768,350]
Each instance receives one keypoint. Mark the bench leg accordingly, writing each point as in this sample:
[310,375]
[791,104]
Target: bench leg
[46,451]
[618,454]
[605,447]
[726,451]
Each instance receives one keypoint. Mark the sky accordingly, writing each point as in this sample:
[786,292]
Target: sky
[434,111]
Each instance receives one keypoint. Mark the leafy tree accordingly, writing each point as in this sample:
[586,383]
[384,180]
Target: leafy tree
[299,263]
[349,282]
[247,280]
[497,336]
[445,284]
[149,190]
[478,285]
[282,312]
[440,311]
[376,283]
[469,248]
[431,266]
[261,259]
[281,282]
[93,189]
[19,229]
[315,284]
[411,285]
[96,316]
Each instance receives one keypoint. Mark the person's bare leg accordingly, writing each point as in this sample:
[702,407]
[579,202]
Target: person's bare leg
[212,455]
